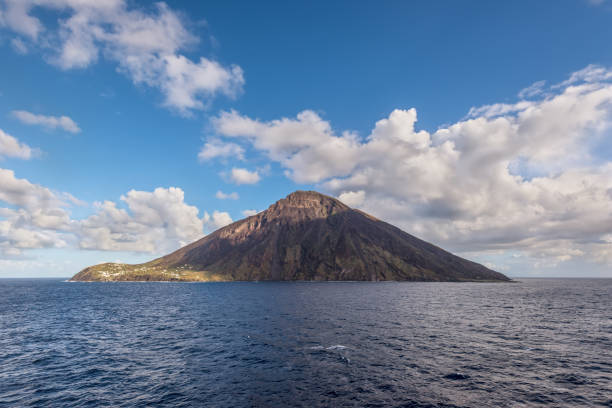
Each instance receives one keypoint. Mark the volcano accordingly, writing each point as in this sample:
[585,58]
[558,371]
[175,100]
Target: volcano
[305,236]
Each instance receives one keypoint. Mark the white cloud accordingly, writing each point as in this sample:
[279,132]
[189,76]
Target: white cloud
[226,196]
[19,46]
[248,213]
[590,73]
[11,147]
[36,220]
[21,193]
[15,16]
[15,239]
[244,176]
[513,176]
[497,109]
[306,143]
[532,90]
[216,148]
[146,45]
[217,220]
[185,82]
[156,222]
[50,122]
[353,198]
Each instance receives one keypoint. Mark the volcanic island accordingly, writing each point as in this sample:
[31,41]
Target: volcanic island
[306,236]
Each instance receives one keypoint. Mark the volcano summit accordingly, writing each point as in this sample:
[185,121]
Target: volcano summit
[305,236]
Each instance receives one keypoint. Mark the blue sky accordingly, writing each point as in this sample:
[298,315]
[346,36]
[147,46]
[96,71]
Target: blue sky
[141,107]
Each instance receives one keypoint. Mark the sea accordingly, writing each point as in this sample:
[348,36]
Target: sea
[531,343]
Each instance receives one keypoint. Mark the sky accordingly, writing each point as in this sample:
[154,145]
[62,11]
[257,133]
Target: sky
[129,129]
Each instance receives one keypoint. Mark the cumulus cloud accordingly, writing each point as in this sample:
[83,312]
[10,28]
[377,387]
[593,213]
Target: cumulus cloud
[306,143]
[155,221]
[50,122]
[216,148]
[243,176]
[352,198]
[14,15]
[36,218]
[226,196]
[21,193]
[516,176]
[11,147]
[146,45]
[217,220]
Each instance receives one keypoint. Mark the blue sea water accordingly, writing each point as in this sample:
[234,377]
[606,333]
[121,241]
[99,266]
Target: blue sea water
[538,342]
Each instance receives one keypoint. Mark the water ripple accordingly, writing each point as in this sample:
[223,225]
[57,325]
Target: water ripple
[533,343]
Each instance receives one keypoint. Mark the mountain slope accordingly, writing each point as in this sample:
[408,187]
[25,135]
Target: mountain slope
[305,236]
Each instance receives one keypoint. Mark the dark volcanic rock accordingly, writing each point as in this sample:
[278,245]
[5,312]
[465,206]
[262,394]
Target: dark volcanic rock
[305,236]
